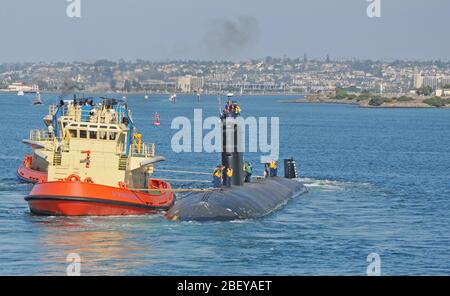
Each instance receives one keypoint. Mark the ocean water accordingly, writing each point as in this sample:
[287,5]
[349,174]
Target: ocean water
[378,179]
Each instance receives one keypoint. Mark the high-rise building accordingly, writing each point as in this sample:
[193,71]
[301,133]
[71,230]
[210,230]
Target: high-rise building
[418,80]
[431,81]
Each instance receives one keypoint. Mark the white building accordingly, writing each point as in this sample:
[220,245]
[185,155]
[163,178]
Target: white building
[18,86]
[434,82]
[190,83]
[442,92]
[418,81]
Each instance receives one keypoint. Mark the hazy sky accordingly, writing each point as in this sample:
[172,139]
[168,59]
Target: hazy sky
[158,30]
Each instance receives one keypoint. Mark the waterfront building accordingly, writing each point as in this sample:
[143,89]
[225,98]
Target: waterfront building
[190,83]
[20,87]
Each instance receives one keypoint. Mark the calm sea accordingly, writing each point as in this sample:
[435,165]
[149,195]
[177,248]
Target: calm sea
[379,182]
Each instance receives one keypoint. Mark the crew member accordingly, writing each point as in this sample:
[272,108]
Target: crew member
[50,131]
[248,169]
[228,176]
[237,110]
[217,176]
[227,109]
[273,166]
[266,170]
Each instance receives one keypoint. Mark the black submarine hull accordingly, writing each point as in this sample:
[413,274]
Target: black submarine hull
[253,200]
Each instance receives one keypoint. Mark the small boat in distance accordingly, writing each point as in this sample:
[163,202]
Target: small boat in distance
[146,97]
[156,122]
[37,100]
[20,93]
[173,98]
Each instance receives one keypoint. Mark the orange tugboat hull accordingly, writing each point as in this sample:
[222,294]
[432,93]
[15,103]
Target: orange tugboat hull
[30,175]
[77,198]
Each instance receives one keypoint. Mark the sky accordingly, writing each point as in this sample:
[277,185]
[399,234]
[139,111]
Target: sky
[161,30]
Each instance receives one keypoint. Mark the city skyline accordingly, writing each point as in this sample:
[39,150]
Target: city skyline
[201,30]
[270,74]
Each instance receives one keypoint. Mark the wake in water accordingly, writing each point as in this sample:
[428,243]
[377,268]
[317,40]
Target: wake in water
[9,157]
[12,184]
[332,185]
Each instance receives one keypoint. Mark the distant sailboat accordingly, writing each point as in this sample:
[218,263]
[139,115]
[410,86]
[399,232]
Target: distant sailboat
[37,100]
[156,121]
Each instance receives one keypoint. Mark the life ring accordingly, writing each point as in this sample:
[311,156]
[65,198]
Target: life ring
[89,180]
[73,178]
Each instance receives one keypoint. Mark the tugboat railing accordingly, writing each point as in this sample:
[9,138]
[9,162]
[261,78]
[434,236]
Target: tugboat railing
[41,135]
[143,150]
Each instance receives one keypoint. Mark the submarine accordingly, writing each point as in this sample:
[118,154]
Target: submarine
[240,200]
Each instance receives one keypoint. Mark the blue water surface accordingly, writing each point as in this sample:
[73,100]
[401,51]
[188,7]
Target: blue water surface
[378,179]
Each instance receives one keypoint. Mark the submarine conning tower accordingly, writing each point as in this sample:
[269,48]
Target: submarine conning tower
[232,155]
[240,201]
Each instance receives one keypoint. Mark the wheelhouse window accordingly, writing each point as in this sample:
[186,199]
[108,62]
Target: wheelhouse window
[102,135]
[93,135]
[73,133]
[112,136]
[83,134]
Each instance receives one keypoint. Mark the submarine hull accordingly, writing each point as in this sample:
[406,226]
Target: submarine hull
[253,200]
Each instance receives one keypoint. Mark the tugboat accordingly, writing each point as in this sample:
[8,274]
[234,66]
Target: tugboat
[91,161]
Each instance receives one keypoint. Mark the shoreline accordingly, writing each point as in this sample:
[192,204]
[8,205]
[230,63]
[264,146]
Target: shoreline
[416,104]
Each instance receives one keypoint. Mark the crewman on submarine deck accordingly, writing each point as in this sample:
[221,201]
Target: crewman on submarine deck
[228,176]
[273,167]
[217,176]
[248,169]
